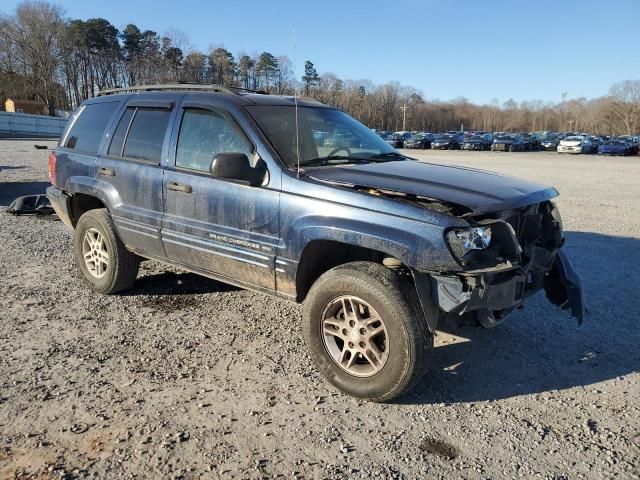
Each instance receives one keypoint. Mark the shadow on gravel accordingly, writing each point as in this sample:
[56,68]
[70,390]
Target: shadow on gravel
[170,292]
[11,190]
[172,283]
[540,348]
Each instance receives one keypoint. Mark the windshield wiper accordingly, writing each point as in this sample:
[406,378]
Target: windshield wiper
[389,156]
[321,161]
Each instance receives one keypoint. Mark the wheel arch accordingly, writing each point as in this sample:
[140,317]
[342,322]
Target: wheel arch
[321,255]
[88,194]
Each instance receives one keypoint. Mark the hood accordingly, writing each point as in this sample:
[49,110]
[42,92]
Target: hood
[476,190]
[571,143]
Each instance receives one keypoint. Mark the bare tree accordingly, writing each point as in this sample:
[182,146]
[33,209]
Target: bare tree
[624,106]
[35,32]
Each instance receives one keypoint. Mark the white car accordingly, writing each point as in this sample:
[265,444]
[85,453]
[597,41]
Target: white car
[574,145]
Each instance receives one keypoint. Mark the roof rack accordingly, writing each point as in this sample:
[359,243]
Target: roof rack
[199,87]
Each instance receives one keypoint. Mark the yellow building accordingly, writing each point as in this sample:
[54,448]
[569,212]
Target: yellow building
[25,106]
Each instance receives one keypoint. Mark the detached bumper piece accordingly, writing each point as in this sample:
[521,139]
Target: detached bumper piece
[564,288]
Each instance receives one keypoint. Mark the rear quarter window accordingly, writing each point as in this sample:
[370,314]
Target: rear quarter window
[89,126]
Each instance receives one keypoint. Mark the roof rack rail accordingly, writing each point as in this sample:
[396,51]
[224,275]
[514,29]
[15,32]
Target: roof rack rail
[199,87]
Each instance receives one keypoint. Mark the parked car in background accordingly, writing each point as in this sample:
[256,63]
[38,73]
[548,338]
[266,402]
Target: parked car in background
[616,147]
[595,144]
[396,140]
[508,143]
[574,144]
[536,139]
[550,142]
[446,141]
[419,140]
[633,141]
[527,142]
[478,142]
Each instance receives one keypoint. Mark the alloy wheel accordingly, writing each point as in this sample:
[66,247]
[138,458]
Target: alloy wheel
[95,253]
[355,336]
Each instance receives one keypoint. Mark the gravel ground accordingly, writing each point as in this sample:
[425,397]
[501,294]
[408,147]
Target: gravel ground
[184,377]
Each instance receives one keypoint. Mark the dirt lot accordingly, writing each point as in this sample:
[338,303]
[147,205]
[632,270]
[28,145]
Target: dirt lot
[184,377]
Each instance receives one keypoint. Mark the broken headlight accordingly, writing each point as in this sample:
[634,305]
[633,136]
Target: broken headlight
[462,241]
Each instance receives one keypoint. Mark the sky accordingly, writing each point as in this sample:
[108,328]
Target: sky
[480,50]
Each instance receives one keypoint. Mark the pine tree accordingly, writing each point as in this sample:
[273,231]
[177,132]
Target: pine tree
[310,77]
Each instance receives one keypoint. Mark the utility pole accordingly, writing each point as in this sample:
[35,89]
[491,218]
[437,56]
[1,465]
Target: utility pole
[563,108]
[404,116]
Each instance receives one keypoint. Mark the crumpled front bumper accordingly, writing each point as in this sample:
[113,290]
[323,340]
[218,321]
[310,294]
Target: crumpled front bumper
[499,290]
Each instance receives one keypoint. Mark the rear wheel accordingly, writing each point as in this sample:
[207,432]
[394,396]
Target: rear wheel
[365,331]
[101,256]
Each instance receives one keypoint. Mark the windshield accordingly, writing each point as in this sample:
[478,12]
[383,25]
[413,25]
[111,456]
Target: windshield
[573,139]
[505,137]
[345,140]
[444,137]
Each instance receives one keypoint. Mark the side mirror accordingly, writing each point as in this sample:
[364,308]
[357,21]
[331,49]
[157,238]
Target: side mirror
[236,167]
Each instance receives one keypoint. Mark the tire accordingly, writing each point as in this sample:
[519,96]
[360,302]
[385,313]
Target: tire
[120,269]
[407,340]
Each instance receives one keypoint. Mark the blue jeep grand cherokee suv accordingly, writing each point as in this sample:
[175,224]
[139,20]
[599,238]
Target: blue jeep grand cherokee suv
[380,247]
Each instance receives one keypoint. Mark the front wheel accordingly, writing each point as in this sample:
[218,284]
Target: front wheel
[101,256]
[365,331]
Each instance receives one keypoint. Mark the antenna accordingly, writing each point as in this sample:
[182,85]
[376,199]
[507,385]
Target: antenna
[295,98]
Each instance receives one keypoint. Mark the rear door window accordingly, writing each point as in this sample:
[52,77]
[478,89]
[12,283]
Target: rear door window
[146,134]
[89,126]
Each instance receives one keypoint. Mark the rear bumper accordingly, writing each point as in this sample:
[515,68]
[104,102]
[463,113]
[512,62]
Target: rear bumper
[61,203]
[503,291]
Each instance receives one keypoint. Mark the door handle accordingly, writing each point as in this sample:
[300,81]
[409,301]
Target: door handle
[179,187]
[107,172]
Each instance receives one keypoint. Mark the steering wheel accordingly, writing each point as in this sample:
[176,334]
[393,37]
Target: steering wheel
[336,150]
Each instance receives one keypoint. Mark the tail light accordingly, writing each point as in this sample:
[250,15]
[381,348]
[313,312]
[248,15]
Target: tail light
[52,168]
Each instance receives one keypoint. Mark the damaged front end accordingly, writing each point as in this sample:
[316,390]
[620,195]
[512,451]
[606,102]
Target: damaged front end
[506,257]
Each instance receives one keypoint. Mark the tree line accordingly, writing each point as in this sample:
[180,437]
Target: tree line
[61,62]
